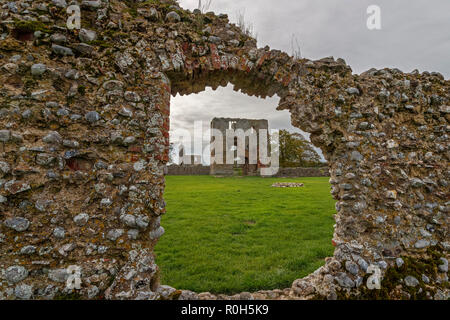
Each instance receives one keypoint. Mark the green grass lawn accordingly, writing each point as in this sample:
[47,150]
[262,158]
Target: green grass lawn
[234,234]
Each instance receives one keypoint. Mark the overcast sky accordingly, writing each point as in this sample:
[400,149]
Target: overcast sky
[415,34]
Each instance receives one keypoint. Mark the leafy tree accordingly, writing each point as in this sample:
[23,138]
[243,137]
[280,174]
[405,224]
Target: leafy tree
[296,151]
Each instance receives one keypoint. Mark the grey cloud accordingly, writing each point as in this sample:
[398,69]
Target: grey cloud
[414,32]
[415,35]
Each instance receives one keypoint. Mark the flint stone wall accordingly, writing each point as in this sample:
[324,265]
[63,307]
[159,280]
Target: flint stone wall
[303,172]
[196,170]
[84,140]
[188,170]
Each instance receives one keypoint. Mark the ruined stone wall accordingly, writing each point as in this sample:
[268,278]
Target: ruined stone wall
[84,129]
[195,170]
[188,170]
[302,172]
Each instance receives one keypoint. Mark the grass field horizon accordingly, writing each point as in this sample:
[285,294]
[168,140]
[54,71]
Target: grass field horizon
[236,234]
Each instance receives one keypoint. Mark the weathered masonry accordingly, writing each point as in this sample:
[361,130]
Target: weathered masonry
[84,129]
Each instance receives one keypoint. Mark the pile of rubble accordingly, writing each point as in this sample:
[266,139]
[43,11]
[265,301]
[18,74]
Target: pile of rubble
[287,185]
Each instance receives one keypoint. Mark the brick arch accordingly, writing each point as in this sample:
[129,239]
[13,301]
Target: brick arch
[84,129]
[261,73]
[265,74]
[341,111]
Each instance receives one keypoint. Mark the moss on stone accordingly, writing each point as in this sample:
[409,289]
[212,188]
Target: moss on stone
[68,296]
[82,90]
[10,45]
[394,278]
[151,3]
[30,26]
[133,12]
[114,34]
[101,43]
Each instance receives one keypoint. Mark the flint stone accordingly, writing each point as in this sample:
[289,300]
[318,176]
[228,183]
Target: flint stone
[62,51]
[129,140]
[59,233]
[363,264]
[60,3]
[93,292]
[92,116]
[156,234]
[214,39]
[352,91]
[410,281]
[444,266]
[23,291]
[42,204]
[114,234]
[27,250]
[165,292]
[58,38]
[391,144]
[132,96]
[112,85]
[142,222]
[139,165]
[81,219]
[91,4]
[87,35]
[422,244]
[15,187]
[344,280]
[5,135]
[38,69]
[129,220]
[19,224]
[15,274]
[351,267]
[11,67]
[444,109]
[83,49]
[133,234]
[173,17]
[356,156]
[382,264]
[53,138]
[416,183]
[58,275]
[4,167]
[126,112]
[359,281]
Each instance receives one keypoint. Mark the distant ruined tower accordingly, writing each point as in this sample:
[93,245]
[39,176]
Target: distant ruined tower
[246,166]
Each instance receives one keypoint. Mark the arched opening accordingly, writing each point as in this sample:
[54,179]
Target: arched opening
[240,234]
